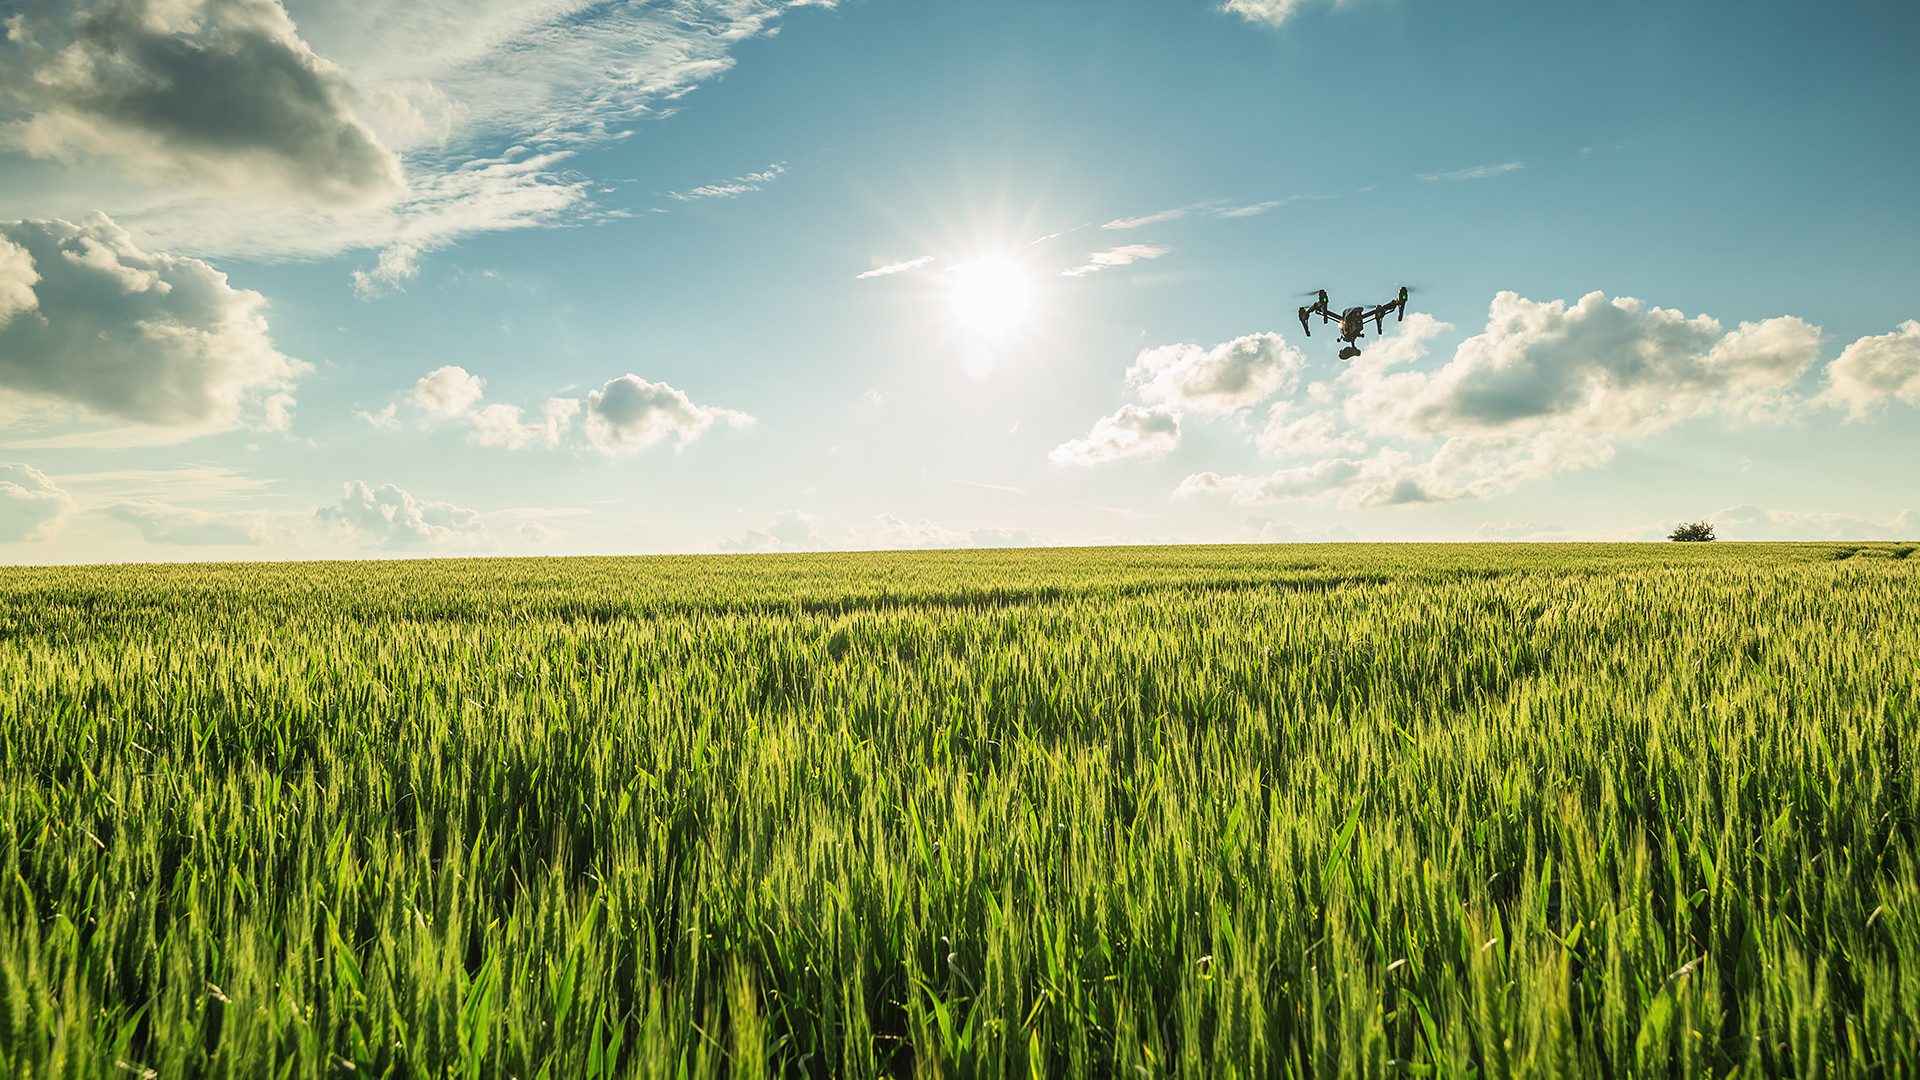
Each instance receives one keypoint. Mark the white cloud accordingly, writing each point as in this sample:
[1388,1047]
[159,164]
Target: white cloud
[895,268]
[627,413]
[1753,523]
[1512,530]
[1210,208]
[1603,365]
[448,391]
[127,333]
[1219,381]
[1873,369]
[32,507]
[1317,434]
[1264,12]
[502,425]
[892,533]
[160,523]
[17,279]
[387,517]
[385,418]
[192,483]
[1464,467]
[217,94]
[534,532]
[452,393]
[485,102]
[1301,483]
[1002,538]
[1478,172]
[1124,255]
[790,530]
[630,413]
[1155,218]
[398,263]
[1131,432]
[737,186]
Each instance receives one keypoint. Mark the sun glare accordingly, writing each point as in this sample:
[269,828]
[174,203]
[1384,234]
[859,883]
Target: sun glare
[991,296]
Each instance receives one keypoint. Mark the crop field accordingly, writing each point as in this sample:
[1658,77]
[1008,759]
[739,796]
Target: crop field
[1350,810]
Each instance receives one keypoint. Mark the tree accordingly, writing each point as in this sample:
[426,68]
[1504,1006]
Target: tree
[1692,531]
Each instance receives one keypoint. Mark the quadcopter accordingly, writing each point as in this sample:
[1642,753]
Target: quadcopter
[1353,321]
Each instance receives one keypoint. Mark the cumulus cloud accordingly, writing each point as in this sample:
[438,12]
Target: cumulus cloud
[398,263]
[502,425]
[164,524]
[1546,388]
[1753,523]
[1263,12]
[1516,530]
[488,104]
[17,279]
[630,413]
[1268,531]
[32,507]
[891,532]
[627,413]
[790,530]
[388,417]
[1131,432]
[1464,467]
[1218,381]
[217,93]
[1125,255]
[448,391]
[1867,372]
[1002,538]
[1317,434]
[1615,365]
[387,517]
[134,335]
[451,392]
[895,268]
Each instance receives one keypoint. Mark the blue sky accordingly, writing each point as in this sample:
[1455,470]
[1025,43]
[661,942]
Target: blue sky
[338,279]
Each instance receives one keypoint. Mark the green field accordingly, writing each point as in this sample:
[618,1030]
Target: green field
[1635,810]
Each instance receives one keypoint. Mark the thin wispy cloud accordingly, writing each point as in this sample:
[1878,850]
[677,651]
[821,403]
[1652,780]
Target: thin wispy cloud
[1478,172]
[1120,256]
[1174,214]
[737,186]
[1212,208]
[990,487]
[895,268]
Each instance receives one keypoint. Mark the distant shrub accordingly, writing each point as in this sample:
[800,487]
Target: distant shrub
[1692,531]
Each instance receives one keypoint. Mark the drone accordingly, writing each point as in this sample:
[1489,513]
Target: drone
[1353,321]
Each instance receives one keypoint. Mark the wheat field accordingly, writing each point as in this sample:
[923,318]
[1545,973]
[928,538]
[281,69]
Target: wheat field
[1327,811]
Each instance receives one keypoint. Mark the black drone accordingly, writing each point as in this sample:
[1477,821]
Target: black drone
[1353,321]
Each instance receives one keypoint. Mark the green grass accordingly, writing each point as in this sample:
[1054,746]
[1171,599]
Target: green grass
[1305,811]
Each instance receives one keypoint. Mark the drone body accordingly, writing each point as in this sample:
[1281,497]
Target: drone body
[1353,321]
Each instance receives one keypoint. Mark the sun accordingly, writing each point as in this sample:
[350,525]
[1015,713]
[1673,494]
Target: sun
[991,296]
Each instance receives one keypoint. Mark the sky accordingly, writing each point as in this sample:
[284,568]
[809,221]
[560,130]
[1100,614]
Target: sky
[303,279]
